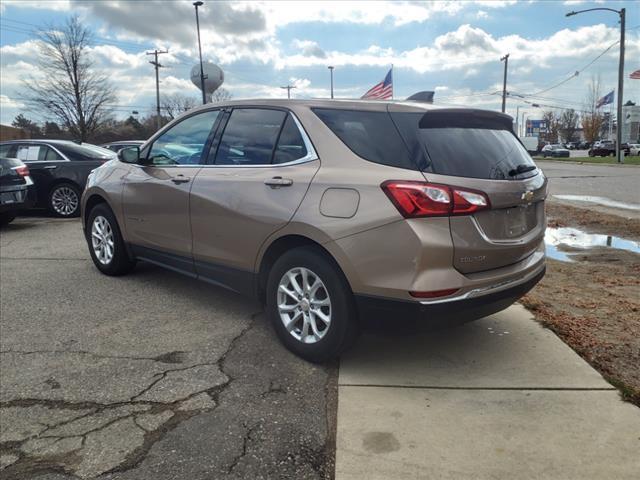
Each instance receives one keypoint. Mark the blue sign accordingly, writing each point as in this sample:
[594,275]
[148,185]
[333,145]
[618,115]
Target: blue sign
[536,127]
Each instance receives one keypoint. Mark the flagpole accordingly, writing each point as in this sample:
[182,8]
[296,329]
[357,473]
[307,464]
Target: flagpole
[610,120]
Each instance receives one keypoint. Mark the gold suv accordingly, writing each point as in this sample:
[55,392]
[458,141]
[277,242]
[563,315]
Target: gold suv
[331,212]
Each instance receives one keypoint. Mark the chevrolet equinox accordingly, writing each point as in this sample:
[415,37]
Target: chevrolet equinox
[330,212]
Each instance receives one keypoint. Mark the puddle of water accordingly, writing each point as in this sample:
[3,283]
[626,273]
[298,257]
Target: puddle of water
[572,237]
[607,202]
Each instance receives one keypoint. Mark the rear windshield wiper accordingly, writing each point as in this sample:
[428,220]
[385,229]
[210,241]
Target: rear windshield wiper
[523,168]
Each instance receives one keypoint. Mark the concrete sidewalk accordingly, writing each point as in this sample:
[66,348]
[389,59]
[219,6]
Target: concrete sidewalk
[500,398]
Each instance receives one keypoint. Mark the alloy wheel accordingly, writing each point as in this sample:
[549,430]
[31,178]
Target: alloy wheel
[64,201]
[102,240]
[304,305]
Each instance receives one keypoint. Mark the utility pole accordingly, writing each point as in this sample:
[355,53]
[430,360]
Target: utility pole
[204,95]
[620,88]
[288,89]
[155,63]
[622,13]
[331,69]
[504,59]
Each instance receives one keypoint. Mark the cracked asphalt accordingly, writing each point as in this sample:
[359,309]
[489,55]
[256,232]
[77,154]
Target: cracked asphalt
[148,376]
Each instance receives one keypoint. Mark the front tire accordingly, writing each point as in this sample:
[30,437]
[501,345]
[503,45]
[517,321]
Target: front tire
[106,246]
[64,200]
[310,305]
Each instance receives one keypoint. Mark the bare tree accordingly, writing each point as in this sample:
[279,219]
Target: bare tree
[174,105]
[592,118]
[70,89]
[552,122]
[220,95]
[568,125]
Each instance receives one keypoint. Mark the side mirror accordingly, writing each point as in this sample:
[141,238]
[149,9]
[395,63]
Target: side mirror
[129,155]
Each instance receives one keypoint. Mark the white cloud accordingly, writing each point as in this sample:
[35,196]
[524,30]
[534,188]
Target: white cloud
[482,14]
[6,102]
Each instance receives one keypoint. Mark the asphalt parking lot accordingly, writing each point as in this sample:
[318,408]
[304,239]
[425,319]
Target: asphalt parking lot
[149,376]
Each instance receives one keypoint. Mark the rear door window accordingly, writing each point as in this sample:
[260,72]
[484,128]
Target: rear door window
[291,145]
[250,137]
[370,135]
[30,153]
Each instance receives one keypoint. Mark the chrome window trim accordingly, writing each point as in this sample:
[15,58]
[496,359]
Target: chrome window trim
[309,157]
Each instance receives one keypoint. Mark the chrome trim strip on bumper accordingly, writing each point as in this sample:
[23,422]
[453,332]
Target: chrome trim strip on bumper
[496,287]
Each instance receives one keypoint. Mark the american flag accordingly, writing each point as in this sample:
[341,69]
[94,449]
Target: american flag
[382,90]
[635,75]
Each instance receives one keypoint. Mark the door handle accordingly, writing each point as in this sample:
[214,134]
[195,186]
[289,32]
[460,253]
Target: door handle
[277,182]
[180,179]
[50,167]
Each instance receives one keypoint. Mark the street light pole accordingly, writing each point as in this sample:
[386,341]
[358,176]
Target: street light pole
[204,95]
[331,69]
[622,14]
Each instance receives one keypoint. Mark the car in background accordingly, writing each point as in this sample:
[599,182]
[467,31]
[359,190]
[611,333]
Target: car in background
[584,145]
[572,145]
[117,146]
[15,183]
[59,170]
[634,149]
[554,150]
[603,148]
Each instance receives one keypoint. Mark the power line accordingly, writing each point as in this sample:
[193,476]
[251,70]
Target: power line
[578,72]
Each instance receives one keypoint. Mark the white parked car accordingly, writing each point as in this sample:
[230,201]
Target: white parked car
[634,149]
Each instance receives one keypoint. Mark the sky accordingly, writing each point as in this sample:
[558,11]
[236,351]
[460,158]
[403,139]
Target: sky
[451,47]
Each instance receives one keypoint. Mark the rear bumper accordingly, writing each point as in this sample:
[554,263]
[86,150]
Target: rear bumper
[15,199]
[471,306]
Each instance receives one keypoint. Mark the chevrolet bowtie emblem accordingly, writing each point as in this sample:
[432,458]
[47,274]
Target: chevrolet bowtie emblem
[527,196]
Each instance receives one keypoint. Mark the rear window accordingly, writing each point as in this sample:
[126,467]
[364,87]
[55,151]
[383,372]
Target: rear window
[370,135]
[484,149]
[84,151]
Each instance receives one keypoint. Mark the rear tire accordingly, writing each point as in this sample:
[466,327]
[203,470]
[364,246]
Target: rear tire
[6,218]
[64,200]
[324,294]
[106,246]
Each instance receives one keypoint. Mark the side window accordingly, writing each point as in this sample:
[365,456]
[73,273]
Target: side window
[290,144]
[249,137]
[29,153]
[51,154]
[370,135]
[182,144]
[9,151]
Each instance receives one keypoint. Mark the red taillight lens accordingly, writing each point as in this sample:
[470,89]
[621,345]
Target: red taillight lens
[23,171]
[435,293]
[422,199]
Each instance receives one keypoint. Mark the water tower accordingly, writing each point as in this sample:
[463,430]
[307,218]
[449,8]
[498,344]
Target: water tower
[213,77]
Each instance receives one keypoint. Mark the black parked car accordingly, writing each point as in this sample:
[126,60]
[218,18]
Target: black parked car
[14,188]
[59,170]
[117,146]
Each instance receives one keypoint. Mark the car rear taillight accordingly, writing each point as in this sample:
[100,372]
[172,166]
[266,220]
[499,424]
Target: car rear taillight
[22,170]
[423,199]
